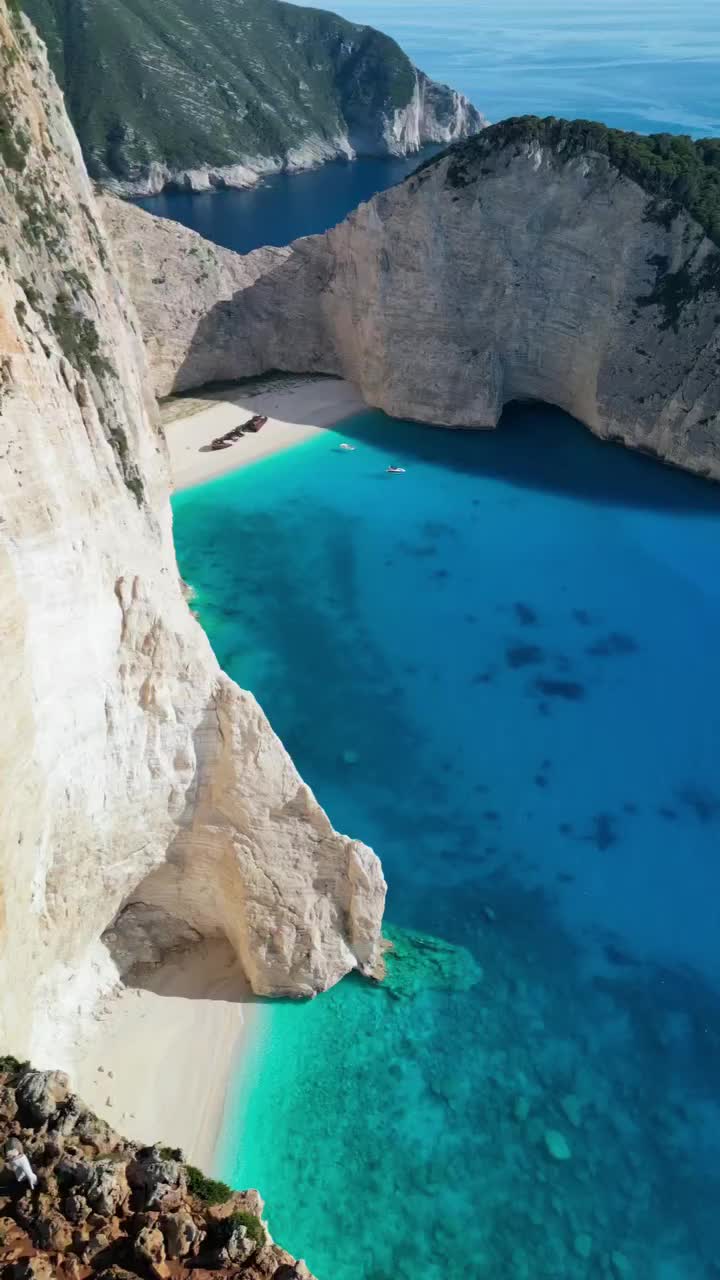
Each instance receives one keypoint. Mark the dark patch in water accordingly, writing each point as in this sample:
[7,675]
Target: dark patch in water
[540,780]
[669,814]
[492,815]
[482,677]
[420,551]
[617,644]
[480,786]
[630,807]
[618,957]
[437,529]
[604,832]
[440,573]
[565,828]
[523,655]
[569,690]
[566,877]
[582,616]
[470,617]
[703,803]
[524,614]
[543,709]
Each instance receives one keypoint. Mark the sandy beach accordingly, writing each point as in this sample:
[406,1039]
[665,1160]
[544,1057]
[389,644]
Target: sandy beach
[157,1060]
[297,408]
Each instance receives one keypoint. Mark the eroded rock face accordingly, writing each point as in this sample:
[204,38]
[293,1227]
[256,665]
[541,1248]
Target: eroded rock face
[501,271]
[143,1219]
[126,753]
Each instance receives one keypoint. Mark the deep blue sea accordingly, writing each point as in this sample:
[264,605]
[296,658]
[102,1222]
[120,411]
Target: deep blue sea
[648,65]
[500,670]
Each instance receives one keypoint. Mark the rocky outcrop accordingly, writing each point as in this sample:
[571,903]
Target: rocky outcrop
[133,769]
[110,1208]
[539,260]
[171,95]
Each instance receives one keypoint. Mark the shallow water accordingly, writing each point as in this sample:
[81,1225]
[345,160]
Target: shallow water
[515,641]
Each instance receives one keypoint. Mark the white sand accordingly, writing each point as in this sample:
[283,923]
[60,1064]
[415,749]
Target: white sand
[297,408]
[157,1062]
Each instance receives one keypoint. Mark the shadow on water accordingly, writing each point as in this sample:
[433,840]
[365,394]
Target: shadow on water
[536,446]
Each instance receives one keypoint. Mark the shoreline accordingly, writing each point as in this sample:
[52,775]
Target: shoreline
[298,407]
[159,1059]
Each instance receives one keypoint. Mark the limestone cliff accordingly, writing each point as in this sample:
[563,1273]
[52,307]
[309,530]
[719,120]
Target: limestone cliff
[131,768]
[541,260]
[197,96]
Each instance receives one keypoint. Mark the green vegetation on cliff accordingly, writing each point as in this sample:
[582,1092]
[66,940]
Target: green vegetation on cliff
[679,173]
[207,84]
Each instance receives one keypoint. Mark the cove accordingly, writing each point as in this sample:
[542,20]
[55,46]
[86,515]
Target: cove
[499,670]
[285,206]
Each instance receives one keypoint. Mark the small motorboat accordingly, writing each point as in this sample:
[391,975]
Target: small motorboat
[347,448]
[395,471]
[256,422]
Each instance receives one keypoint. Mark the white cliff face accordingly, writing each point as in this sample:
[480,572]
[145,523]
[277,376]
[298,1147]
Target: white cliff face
[310,154]
[131,768]
[490,276]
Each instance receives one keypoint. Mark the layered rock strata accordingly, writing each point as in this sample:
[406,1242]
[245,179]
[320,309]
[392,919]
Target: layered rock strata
[529,263]
[132,769]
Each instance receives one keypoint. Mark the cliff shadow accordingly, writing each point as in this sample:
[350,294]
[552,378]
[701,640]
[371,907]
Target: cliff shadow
[539,447]
[207,970]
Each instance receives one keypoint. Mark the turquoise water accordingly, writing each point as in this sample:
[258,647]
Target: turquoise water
[517,641]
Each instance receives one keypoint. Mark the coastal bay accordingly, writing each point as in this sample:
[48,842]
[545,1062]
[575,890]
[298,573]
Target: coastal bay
[530,747]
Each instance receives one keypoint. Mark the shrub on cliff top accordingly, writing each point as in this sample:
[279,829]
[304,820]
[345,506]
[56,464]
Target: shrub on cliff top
[209,1190]
[668,166]
[223,1230]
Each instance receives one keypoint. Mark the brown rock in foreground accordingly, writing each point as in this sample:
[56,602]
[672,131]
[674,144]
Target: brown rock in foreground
[104,1207]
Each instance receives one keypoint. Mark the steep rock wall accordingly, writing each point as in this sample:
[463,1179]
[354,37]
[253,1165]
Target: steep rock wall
[131,767]
[493,274]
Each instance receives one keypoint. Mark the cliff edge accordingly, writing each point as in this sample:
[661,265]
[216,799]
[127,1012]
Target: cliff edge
[138,783]
[542,260]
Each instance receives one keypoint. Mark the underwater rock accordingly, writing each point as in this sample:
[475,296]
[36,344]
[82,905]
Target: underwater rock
[556,1145]
[620,1265]
[521,1110]
[572,1107]
[582,1245]
[417,962]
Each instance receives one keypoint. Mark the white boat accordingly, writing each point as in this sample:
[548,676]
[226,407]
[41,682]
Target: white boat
[395,471]
[350,448]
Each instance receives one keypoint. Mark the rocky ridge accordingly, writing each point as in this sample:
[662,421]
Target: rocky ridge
[108,1208]
[134,771]
[162,95]
[542,260]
